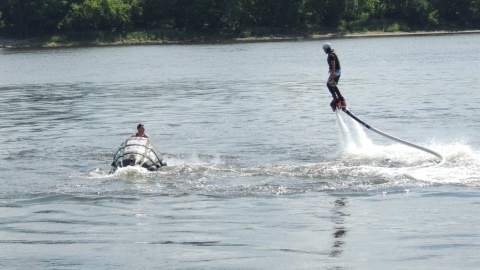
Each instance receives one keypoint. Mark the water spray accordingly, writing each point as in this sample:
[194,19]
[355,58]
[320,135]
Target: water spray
[442,158]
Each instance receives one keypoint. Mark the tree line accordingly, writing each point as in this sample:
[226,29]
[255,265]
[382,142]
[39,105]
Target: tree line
[27,18]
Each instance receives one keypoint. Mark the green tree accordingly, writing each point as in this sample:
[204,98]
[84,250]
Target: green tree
[158,13]
[373,8]
[32,16]
[334,11]
[288,14]
[2,24]
[313,12]
[232,14]
[474,13]
[26,17]
[460,13]
[199,14]
[98,15]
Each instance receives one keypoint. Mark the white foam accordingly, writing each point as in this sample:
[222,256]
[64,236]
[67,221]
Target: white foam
[462,166]
[192,159]
[399,161]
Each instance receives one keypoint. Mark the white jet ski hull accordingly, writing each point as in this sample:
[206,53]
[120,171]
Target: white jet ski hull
[138,151]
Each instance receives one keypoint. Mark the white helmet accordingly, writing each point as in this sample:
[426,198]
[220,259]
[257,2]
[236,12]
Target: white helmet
[327,46]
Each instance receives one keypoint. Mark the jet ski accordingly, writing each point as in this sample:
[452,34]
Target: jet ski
[138,151]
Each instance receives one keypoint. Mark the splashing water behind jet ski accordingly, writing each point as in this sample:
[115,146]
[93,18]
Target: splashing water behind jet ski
[138,151]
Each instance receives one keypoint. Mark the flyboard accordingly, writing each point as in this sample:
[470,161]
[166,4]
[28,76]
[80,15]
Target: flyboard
[395,138]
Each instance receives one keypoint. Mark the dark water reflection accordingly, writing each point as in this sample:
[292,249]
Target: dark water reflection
[340,228]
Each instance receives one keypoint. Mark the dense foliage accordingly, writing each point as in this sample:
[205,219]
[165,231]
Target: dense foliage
[24,18]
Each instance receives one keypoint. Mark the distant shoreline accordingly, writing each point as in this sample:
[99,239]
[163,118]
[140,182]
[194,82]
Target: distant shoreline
[35,43]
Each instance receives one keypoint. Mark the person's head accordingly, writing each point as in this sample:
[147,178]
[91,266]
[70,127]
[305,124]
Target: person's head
[327,47]
[140,127]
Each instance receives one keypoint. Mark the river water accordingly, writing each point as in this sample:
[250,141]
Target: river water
[262,174]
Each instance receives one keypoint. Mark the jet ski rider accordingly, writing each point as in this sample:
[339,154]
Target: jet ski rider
[141,131]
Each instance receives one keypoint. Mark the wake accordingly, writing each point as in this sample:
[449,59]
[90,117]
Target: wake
[360,164]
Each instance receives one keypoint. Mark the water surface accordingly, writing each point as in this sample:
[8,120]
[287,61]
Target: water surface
[262,174]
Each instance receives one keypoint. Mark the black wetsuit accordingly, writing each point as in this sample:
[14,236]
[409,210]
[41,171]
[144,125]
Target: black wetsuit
[332,87]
